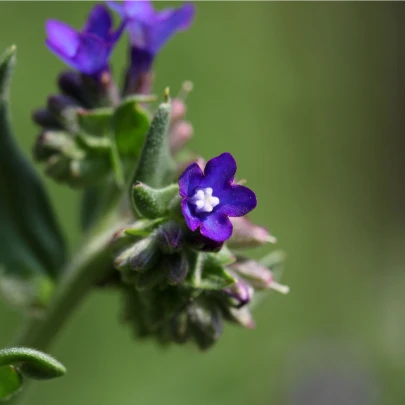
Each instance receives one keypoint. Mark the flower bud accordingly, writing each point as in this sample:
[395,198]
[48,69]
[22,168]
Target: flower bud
[206,324]
[63,108]
[140,257]
[178,110]
[242,316]
[177,265]
[71,84]
[51,142]
[247,235]
[239,293]
[179,327]
[46,119]
[169,237]
[179,134]
[258,276]
[150,279]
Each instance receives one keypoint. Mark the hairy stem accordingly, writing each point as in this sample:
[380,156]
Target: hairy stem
[91,263]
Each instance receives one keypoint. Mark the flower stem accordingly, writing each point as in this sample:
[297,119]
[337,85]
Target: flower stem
[79,276]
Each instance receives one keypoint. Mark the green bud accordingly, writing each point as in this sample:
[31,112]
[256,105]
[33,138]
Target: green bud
[156,166]
[52,142]
[206,324]
[153,203]
[170,237]
[150,279]
[177,266]
[140,257]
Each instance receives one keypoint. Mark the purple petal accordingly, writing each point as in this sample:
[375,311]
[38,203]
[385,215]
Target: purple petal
[237,201]
[117,7]
[219,171]
[169,22]
[99,22]
[217,227]
[192,222]
[138,9]
[190,179]
[92,55]
[61,39]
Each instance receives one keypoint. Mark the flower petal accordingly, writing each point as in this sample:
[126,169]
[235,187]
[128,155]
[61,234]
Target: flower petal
[61,39]
[168,23]
[219,171]
[237,201]
[99,23]
[138,9]
[92,55]
[217,227]
[192,222]
[190,179]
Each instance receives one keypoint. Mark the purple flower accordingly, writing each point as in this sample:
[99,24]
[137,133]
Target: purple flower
[209,198]
[87,51]
[149,30]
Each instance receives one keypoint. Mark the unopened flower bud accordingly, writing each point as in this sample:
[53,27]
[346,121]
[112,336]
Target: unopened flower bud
[206,324]
[179,327]
[50,142]
[179,134]
[140,257]
[247,235]
[169,237]
[46,119]
[239,293]
[71,84]
[242,316]
[178,110]
[256,274]
[150,279]
[177,266]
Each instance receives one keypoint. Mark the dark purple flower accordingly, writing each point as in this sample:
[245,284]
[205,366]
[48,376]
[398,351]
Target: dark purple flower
[209,198]
[148,31]
[87,51]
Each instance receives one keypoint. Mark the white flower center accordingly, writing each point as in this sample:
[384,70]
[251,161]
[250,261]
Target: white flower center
[204,200]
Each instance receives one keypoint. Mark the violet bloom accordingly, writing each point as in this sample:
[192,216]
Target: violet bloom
[149,30]
[209,198]
[87,51]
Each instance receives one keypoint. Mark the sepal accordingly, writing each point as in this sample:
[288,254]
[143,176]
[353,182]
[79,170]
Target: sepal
[153,203]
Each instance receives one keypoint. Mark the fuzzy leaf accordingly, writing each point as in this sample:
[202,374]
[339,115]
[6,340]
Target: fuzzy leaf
[153,203]
[130,126]
[156,166]
[32,245]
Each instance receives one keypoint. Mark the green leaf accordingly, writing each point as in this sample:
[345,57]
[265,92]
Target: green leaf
[223,257]
[32,245]
[130,126]
[10,382]
[32,363]
[214,276]
[207,273]
[96,122]
[153,203]
[156,166]
[143,227]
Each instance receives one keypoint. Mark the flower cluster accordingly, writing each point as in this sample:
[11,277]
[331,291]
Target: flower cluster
[173,259]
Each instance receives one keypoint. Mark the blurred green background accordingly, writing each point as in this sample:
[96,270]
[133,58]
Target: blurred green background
[308,97]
